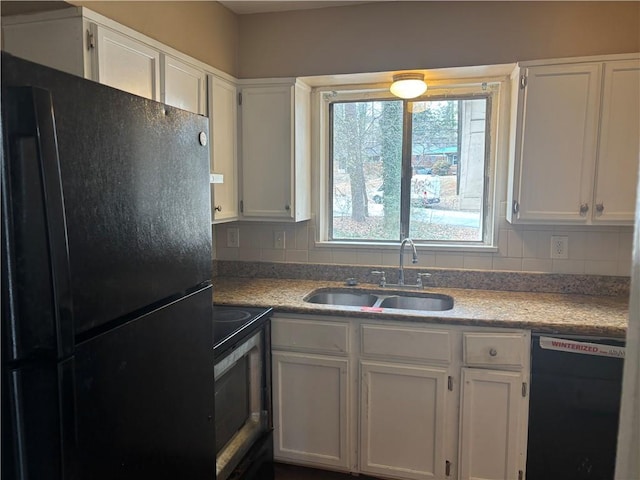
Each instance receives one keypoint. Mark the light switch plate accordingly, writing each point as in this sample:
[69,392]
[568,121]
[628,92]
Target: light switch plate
[279,240]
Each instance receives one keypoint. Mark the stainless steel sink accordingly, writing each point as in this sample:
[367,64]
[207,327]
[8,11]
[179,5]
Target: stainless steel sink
[428,302]
[432,302]
[350,299]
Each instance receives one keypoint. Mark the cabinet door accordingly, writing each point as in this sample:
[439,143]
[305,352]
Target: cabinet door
[310,409]
[267,152]
[183,85]
[402,420]
[124,63]
[617,171]
[555,150]
[223,124]
[56,43]
[493,425]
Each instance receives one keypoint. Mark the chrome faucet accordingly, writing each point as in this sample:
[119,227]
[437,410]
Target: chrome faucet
[413,260]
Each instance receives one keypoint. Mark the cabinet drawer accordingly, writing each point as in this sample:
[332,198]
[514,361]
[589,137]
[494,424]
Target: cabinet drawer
[406,342]
[494,349]
[309,335]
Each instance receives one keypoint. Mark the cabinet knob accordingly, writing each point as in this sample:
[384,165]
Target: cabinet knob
[493,352]
[287,208]
[599,208]
[584,208]
[218,208]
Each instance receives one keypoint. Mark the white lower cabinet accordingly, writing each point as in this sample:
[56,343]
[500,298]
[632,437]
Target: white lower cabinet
[400,400]
[494,405]
[310,375]
[402,420]
[310,408]
[490,425]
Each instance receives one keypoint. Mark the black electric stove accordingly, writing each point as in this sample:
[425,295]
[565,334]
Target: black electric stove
[232,324]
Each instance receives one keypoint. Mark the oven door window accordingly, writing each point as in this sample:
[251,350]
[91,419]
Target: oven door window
[240,405]
[232,402]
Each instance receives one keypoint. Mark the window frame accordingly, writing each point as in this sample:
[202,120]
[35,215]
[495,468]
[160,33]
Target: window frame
[495,87]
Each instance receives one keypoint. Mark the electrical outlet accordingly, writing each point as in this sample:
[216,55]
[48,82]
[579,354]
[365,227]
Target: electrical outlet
[278,240]
[559,246]
[233,237]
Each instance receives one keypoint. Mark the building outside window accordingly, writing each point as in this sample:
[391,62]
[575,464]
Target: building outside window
[419,168]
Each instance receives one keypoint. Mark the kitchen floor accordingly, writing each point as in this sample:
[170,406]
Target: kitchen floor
[290,472]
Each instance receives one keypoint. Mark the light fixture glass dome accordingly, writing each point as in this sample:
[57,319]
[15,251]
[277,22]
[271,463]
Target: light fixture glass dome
[408,85]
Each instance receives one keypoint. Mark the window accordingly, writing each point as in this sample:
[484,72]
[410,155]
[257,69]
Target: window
[417,168]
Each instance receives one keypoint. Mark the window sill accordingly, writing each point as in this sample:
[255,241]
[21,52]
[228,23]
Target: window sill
[388,246]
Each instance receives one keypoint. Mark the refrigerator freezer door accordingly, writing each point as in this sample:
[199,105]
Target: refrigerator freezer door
[145,396]
[136,191]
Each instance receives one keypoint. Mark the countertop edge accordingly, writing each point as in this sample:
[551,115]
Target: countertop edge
[569,314]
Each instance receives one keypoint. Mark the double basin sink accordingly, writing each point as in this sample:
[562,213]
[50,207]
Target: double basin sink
[428,302]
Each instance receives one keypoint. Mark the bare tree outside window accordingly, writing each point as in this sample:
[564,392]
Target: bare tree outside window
[439,144]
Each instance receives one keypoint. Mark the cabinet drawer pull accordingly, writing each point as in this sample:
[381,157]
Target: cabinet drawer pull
[493,352]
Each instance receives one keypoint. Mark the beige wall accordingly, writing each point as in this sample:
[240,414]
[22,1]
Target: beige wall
[430,35]
[408,35]
[204,30]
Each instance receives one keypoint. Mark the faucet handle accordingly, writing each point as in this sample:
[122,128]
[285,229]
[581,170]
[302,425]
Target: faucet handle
[383,278]
[419,283]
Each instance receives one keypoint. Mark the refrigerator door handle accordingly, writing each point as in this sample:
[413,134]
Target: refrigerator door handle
[33,168]
[41,419]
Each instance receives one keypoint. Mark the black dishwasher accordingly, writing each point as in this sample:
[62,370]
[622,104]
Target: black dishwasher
[574,407]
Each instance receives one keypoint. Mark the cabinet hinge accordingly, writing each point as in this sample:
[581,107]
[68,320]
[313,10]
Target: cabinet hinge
[450,383]
[523,81]
[520,474]
[524,389]
[447,468]
[240,98]
[241,206]
[91,43]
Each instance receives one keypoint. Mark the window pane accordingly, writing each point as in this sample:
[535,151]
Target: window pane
[366,167]
[448,169]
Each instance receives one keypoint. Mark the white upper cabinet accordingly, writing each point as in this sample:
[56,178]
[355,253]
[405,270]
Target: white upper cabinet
[122,62]
[183,85]
[557,141]
[619,149]
[81,42]
[223,110]
[275,126]
[56,39]
[575,127]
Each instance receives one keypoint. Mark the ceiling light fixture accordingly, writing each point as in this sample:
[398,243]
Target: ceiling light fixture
[408,85]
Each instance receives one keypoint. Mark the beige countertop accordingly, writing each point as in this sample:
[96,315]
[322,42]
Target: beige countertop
[539,312]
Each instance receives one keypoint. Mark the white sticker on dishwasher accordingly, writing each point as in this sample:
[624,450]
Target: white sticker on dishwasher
[585,348]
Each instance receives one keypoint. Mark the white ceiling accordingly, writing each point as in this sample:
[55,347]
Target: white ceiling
[261,6]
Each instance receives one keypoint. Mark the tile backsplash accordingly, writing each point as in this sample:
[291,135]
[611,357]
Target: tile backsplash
[591,250]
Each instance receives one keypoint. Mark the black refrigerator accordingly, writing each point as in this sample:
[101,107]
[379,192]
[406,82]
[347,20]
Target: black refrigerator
[107,341]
